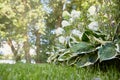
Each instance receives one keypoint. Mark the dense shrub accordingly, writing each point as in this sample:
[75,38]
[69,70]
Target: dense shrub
[83,43]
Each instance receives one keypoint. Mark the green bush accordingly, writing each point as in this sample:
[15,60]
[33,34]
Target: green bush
[83,43]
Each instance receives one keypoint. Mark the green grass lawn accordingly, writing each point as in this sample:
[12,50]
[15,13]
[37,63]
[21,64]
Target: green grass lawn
[54,72]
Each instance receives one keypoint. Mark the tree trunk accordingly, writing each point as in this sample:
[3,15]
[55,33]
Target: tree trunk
[37,43]
[15,51]
[59,11]
[26,49]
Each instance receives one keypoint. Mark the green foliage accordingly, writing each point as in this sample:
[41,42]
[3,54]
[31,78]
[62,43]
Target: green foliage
[87,42]
[87,59]
[54,72]
[82,47]
[87,53]
[107,51]
[15,16]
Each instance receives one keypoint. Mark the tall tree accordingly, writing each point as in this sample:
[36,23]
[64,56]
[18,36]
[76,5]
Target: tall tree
[56,14]
[15,19]
[54,19]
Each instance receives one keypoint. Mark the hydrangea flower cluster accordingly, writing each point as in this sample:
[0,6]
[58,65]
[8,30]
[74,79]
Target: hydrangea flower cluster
[69,18]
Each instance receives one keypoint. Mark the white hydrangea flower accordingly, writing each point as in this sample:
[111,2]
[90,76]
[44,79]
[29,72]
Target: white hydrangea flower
[92,10]
[59,31]
[67,38]
[65,14]
[65,23]
[93,26]
[76,32]
[53,31]
[71,20]
[75,14]
[48,53]
[62,39]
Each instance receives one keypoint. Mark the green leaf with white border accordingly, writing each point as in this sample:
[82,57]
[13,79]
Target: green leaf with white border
[52,57]
[85,37]
[82,47]
[87,59]
[118,46]
[72,60]
[107,52]
[65,56]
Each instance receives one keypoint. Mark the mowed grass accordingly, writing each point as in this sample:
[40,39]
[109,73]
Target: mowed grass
[54,72]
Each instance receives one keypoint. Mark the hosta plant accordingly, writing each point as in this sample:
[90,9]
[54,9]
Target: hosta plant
[83,46]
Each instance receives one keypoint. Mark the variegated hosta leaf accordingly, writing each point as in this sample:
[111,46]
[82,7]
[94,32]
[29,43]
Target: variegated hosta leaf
[87,59]
[118,48]
[72,60]
[52,57]
[97,34]
[81,47]
[107,51]
[67,43]
[88,33]
[65,56]
[75,39]
[85,37]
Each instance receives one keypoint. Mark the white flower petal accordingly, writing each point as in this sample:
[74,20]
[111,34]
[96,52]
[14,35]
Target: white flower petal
[92,10]
[65,13]
[65,23]
[62,39]
[71,20]
[75,14]
[59,31]
[76,32]
[93,26]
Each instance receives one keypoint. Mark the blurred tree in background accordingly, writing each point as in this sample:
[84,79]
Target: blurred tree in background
[16,20]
